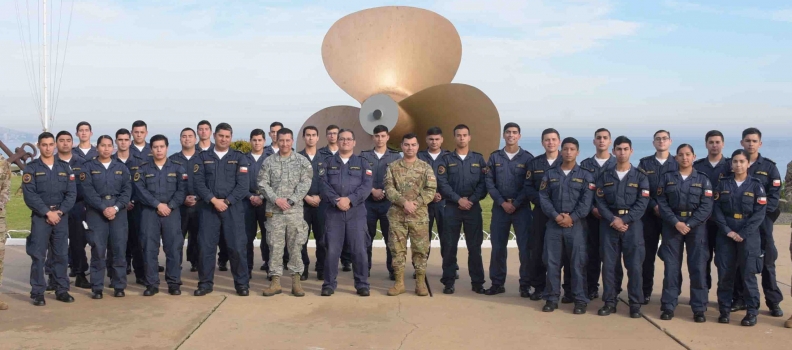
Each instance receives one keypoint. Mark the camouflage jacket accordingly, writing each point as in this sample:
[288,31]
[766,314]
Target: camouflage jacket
[288,177]
[5,185]
[415,182]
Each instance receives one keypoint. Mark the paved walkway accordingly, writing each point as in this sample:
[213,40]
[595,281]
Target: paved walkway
[461,321]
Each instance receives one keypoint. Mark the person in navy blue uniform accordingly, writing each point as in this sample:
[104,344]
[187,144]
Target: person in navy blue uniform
[597,164]
[432,156]
[505,180]
[766,171]
[654,166]
[222,181]
[134,250]
[537,274]
[685,201]
[346,182]
[272,148]
[107,187]
[461,179]
[161,186]
[204,141]
[717,167]
[188,211]
[49,191]
[140,148]
[377,205]
[740,209]
[331,133]
[314,208]
[84,149]
[565,195]
[622,196]
[254,202]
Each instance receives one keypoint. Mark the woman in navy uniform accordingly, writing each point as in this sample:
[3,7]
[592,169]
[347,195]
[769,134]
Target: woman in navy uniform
[739,211]
[684,198]
[108,188]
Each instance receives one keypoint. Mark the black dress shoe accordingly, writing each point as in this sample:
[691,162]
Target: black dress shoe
[593,295]
[243,292]
[161,268]
[193,268]
[537,295]
[51,284]
[64,297]
[667,315]
[327,291]
[150,291]
[449,289]
[222,266]
[635,312]
[567,299]
[201,292]
[723,318]
[580,308]
[320,275]
[775,310]
[749,321]
[346,267]
[550,306]
[82,282]
[698,317]
[304,276]
[364,292]
[97,295]
[72,274]
[391,276]
[263,267]
[174,290]
[119,293]
[39,300]
[647,300]
[478,289]
[606,310]
[495,289]
[525,292]
[738,305]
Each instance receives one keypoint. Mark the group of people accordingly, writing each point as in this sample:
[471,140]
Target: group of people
[580,218]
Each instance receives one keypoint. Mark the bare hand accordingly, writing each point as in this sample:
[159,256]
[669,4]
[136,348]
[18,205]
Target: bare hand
[163,210]
[559,219]
[283,204]
[312,200]
[410,207]
[53,218]
[109,212]
[190,201]
[596,213]
[567,220]
[130,206]
[343,203]
[378,194]
[256,201]
[219,205]
[464,203]
[437,197]
[736,237]
[657,210]
[682,228]
[508,207]
[619,225]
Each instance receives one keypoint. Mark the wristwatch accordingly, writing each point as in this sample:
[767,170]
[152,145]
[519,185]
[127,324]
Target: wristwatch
[116,208]
[291,202]
[226,202]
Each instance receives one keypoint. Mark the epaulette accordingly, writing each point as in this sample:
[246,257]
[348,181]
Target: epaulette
[703,173]
[495,151]
[700,160]
[174,161]
[648,157]
[641,170]
[770,160]
[591,170]
[393,150]
[142,164]
[474,152]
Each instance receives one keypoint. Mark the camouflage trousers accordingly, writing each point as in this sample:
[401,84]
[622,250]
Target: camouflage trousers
[418,233]
[286,231]
[3,231]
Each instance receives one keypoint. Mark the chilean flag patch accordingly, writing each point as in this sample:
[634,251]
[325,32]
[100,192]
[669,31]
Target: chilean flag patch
[243,169]
[776,183]
[592,186]
[184,176]
[71,177]
[708,193]
[368,172]
[645,193]
[761,200]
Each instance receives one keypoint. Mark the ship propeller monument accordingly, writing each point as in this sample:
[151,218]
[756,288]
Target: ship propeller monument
[398,62]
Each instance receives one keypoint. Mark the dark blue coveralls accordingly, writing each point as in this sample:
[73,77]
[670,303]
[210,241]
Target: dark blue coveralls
[346,228]
[77,242]
[572,193]
[653,224]
[505,182]
[377,210]
[46,190]
[741,209]
[255,217]
[225,179]
[594,266]
[456,179]
[537,274]
[346,257]
[107,188]
[134,247]
[315,216]
[626,199]
[715,174]
[436,209]
[689,201]
[766,171]
[156,186]
[189,215]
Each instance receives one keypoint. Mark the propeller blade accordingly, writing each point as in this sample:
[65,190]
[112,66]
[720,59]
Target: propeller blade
[345,117]
[446,106]
[394,50]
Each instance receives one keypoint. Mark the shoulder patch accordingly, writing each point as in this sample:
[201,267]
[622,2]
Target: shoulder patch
[543,185]
[528,174]
[195,168]
[137,177]
[82,176]
[716,196]
[27,178]
[600,193]
[441,170]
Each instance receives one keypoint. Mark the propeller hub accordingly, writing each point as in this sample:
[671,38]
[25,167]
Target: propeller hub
[379,109]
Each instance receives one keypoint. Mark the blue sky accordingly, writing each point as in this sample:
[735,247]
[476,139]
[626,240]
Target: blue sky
[574,65]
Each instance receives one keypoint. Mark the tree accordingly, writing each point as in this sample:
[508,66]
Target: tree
[241,145]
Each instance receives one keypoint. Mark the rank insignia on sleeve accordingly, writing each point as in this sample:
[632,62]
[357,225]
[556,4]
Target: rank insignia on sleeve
[543,185]
[27,178]
[441,170]
[137,177]
[82,176]
[321,171]
[600,193]
[195,168]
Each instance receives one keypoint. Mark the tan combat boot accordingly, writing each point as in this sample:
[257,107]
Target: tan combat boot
[4,306]
[274,288]
[398,286]
[787,324]
[296,287]
[420,284]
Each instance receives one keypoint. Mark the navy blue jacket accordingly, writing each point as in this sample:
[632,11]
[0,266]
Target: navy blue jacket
[198,148]
[631,193]
[191,167]
[457,178]
[379,166]
[75,164]
[596,170]
[92,153]
[675,196]
[317,164]
[534,175]
[225,178]
[155,186]
[766,171]
[506,177]
[268,150]
[253,171]
[132,163]
[352,180]
[572,193]
[106,188]
[145,154]
[43,188]
[654,172]
[716,173]
[740,209]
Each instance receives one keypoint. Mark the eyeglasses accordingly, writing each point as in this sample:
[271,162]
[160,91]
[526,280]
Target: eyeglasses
[344,139]
[662,139]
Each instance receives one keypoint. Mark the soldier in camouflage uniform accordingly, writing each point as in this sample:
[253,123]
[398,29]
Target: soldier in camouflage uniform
[5,195]
[285,179]
[410,185]
[787,195]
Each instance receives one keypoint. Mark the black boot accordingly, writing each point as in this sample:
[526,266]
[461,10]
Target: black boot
[82,282]
[150,291]
[550,306]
